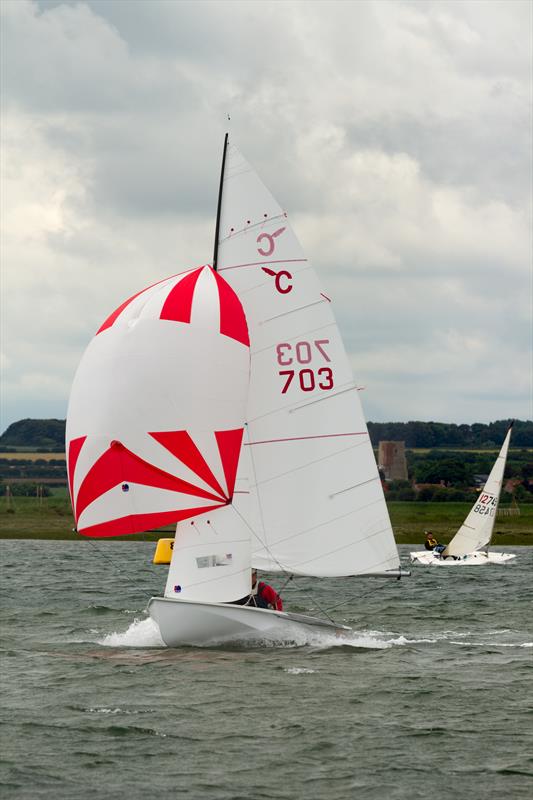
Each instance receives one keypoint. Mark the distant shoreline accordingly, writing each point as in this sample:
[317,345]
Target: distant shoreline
[503,540]
[50,518]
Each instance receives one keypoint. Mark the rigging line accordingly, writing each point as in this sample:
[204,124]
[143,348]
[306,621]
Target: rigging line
[254,533]
[317,605]
[358,596]
[261,541]
[289,575]
[111,561]
[285,572]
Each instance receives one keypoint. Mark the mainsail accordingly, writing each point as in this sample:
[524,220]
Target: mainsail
[317,504]
[157,408]
[476,530]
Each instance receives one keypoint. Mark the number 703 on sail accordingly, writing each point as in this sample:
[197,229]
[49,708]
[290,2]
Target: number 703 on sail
[304,353]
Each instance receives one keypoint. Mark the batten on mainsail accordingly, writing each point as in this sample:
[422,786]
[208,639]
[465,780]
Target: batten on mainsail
[317,505]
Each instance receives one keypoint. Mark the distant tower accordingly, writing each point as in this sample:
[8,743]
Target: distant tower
[391,459]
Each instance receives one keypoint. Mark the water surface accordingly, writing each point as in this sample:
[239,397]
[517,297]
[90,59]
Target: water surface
[430,698]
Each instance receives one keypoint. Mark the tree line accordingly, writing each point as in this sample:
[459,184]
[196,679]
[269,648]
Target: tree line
[449,435]
[49,434]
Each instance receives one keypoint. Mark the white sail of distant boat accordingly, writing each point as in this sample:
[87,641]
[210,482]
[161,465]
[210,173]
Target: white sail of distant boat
[222,399]
[475,533]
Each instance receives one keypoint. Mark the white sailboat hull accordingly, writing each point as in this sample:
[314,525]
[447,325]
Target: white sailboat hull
[477,558]
[186,622]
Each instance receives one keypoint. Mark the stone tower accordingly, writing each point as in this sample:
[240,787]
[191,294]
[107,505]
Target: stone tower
[391,459]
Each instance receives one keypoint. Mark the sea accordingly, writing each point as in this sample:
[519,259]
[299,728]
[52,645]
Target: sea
[429,697]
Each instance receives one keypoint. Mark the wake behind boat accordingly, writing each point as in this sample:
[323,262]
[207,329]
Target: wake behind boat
[225,403]
[466,547]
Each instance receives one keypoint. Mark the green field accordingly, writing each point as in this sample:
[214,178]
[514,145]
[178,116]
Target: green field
[51,518]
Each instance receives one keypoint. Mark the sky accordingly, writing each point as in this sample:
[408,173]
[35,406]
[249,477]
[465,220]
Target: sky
[397,135]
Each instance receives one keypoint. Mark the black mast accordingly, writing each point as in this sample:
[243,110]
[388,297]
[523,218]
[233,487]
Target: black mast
[219,205]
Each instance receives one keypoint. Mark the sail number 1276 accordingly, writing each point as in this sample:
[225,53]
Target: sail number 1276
[302,354]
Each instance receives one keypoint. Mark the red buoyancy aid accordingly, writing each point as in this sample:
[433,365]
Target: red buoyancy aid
[270,597]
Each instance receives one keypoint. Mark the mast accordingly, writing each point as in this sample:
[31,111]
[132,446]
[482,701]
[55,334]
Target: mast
[219,204]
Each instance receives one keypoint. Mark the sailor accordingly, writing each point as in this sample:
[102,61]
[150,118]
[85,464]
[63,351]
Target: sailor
[432,544]
[263,595]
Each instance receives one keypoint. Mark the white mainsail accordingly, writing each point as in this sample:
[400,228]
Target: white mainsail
[476,530]
[317,504]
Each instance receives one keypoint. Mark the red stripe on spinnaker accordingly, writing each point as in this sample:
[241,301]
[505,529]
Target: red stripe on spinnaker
[112,317]
[232,318]
[138,523]
[74,448]
[180,444]
[178,305]
[229,447]
[119,465]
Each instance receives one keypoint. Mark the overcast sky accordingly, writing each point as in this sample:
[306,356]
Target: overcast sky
[397,135]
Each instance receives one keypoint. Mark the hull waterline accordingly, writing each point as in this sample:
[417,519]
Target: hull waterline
[185,622]
[478,558]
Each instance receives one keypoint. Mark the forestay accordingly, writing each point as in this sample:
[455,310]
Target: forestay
[317,501]
[476,530]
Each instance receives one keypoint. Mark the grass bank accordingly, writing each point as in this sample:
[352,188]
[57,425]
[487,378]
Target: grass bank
[51,518]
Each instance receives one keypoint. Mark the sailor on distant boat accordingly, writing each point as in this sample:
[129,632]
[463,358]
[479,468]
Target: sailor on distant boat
[432,544]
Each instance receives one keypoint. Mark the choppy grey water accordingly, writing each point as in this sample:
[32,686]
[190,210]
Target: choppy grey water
[431,697]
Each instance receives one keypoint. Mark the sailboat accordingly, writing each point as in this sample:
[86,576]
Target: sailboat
[222,399]
[470,545]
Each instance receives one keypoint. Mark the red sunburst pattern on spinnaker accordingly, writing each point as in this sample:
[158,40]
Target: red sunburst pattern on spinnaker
[178,305]
[119,465]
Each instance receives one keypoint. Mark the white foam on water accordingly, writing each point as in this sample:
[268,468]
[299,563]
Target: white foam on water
[301,671]
[141,633]
[104,710]
[492,644]
[298,636]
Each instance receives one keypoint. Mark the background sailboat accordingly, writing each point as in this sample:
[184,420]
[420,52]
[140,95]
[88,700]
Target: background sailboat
[225,402]
[475,533]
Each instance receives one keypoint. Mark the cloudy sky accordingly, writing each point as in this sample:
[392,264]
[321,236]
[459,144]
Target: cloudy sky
[396,134]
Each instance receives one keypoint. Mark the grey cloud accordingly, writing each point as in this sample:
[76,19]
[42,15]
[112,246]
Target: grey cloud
[396,135]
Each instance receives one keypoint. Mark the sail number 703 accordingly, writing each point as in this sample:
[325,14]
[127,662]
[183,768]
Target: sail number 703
[305,353]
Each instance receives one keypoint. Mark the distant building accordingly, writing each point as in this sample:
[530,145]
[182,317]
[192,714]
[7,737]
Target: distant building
[392,461]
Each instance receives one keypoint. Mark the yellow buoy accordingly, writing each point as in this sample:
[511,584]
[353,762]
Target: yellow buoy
[163,551]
